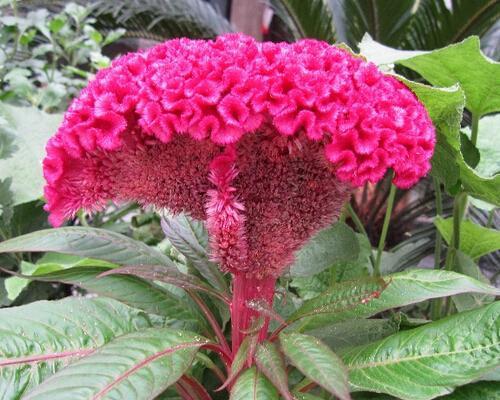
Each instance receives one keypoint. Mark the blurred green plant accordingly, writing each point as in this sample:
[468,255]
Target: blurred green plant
[45,59]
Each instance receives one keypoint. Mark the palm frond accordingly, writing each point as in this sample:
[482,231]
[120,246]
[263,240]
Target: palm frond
[306,19]
[161,19]
[385,20]
[434,25]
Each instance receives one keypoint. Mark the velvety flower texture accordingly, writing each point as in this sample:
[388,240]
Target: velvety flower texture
[262,140]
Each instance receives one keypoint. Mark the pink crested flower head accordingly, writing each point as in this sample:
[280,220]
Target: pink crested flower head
[263,141]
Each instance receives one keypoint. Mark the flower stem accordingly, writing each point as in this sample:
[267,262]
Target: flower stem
[245,289]
[360,227]
[437,304]
[385,228]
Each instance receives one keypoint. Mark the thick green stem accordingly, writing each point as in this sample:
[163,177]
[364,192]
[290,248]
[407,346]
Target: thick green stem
[474,129]
[385,228]
[437,304]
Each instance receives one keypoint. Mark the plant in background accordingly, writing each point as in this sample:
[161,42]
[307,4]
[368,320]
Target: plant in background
[263,142]
[46,59]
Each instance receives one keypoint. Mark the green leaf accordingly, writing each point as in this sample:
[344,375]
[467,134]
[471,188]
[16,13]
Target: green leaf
[430,360]
[38,339]
[385,20]
[166,274]
[129,290]
[190,238]
[336,244]
[469,151]
[467,301]
[317,362]
[475,391]
[475,240]
[32,128]
[358,299]
[354,332]
[138,365]
[87,242]
[445,108]
[454,64]
[380,54]
[307,19]
[270,361]
[253,385]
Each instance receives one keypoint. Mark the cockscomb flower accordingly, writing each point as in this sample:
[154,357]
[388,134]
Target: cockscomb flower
[264,141]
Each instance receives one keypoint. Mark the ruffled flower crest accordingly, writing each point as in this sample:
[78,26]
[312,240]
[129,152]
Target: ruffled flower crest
[262,140]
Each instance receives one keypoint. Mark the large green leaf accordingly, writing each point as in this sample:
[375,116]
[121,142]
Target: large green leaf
[462,63]
[270,361]
[380,54]
[139,365]
[358,299]
[475,391]
[317,362]
[306,19]
[87,242]
[32,128]
[445,107]
[253,385]
[38,339]
[475,240]
[430,360]
[336,244]
[190,238]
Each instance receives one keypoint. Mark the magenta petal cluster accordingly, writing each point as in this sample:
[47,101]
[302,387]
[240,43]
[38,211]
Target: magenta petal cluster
[262,140]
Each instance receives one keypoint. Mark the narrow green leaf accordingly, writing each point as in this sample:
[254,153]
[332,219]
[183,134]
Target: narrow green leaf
[475,240]
[253,385]
[166,274]
[317,362]
[336,244]
[475,391]
[241,357]
[270,361]
[454,64]
[430,360]
[358,299]
[190,238]
[129,290]
[307,19]
[39,339]
[87,242]
[138,365]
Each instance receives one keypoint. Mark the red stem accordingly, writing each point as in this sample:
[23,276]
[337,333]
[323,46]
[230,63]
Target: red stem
[246,289]
[200,391]
[211,320]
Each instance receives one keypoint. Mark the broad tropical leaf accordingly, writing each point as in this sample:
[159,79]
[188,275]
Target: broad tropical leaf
[336,244]
[430,360]
[138,365]
[39,339]
[475,240]
[253,385]
[307,19]
[161,19]
[317,362]
[270,361]
[453,64]
[190,238]
[358,299]
[87,242]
